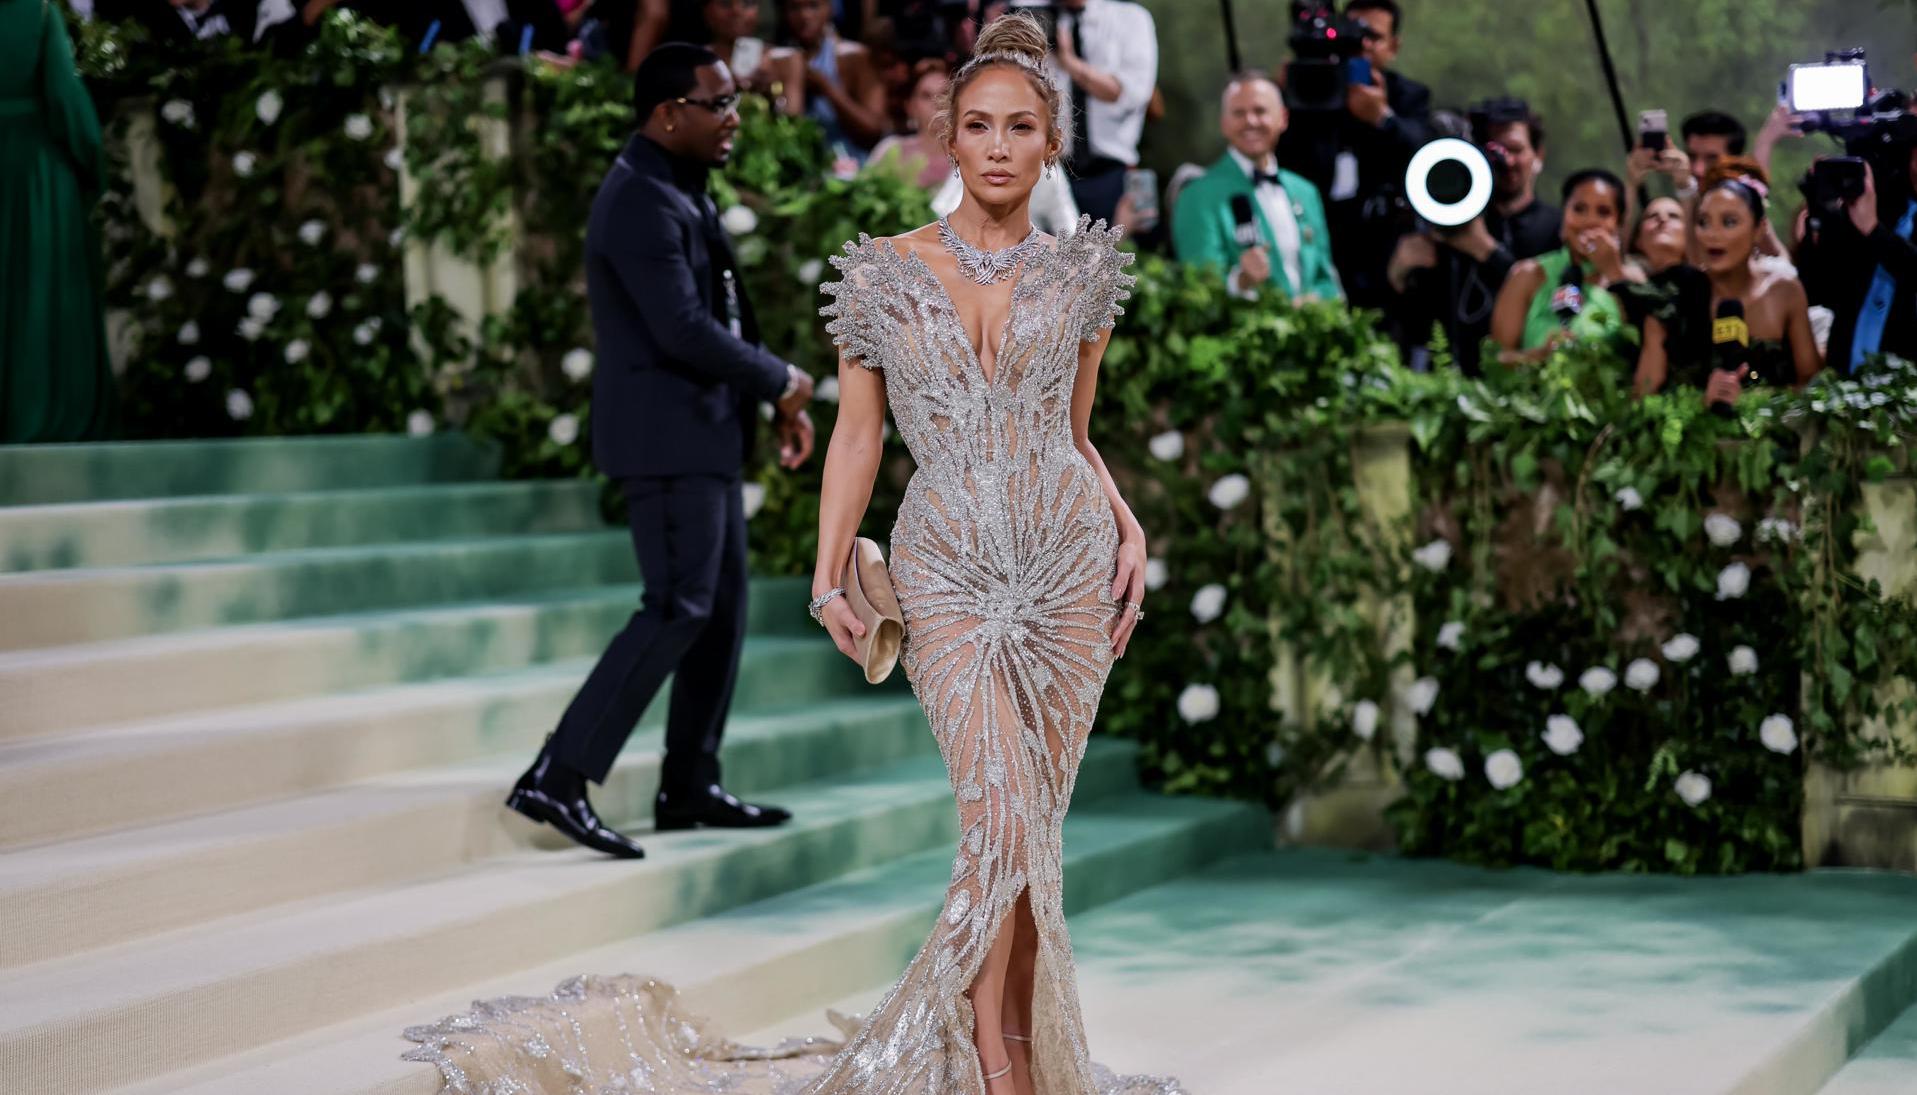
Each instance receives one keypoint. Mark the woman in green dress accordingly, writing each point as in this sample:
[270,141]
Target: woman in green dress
[55,381]
[1530,319]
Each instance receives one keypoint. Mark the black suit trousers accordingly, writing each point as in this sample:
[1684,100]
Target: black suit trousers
[690,535]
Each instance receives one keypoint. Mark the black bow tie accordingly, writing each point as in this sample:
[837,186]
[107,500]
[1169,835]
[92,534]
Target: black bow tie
[1260,178]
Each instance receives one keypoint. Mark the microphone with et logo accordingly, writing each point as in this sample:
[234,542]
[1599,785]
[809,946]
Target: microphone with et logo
[1730,346]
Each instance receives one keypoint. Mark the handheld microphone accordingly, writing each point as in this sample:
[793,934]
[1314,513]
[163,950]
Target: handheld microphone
[1567,301]
[1730,345]
[1244,225]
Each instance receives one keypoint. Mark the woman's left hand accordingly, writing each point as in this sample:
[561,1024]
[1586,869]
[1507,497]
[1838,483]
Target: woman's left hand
[1600,248]
[1128,587]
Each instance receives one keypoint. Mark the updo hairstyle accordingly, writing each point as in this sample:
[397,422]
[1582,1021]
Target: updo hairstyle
[1016,40]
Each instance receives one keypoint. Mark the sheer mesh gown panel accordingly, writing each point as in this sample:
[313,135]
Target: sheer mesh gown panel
[1003,557]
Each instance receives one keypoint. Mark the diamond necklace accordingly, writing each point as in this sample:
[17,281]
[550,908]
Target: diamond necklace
[980,265]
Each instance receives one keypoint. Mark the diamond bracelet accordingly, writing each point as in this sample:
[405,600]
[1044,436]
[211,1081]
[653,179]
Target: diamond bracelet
[819,603]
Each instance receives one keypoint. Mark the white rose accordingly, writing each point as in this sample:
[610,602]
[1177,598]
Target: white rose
[1562,735]
[239,405]
[739,220]
[262,306]
[1208,602]
[1693,787]
[1275,754]
[366,274]
[419,423]
[251,329]
[198,369]
[1722,530]
[189,333]
[1743,661]
[1450,634]
[1156,573]
[1732,581]
[177,112]
[1229,491]
[827,389]
[1681,648]
[311,232]
[753,495]
[244,163]
[268,106]
[1364,719]
[319,305]
[396,237]
[577,364]
[198,268]
[159,289]
[1169,445]
[1597,680]
[810,271]
[1543,676]
[1641,674]
[1444,763]
[296,351]
[1422,694]
[358,127]
[366,331]
[238,279]
[1628,498]
[1198,702]
[1777,734]
[1434,556]
[395,159]
[1503,769]
[1775,529]
[564,430]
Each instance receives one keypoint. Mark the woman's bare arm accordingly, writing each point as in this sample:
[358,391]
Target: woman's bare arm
[1652,361]
[1797,331]
[851,464]
[1514,302]
[1129,581]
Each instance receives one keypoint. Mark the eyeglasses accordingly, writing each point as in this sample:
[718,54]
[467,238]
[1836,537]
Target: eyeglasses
[722,106]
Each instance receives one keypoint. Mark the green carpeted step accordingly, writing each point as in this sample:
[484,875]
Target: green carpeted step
[1887,1064]
[63,689]
[780,959]
[131,1012]
[174,530]
[78,894]
[60,607]
[74,785]
[31,474]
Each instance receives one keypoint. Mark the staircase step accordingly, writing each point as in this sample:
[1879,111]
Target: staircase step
[749,966]
[177,530]
[175,1000]
[1887,1065]
[77,894]
[31,474]
[61,607]
[64,689]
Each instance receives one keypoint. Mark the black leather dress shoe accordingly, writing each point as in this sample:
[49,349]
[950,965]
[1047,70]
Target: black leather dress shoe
[557,798]
[713,807]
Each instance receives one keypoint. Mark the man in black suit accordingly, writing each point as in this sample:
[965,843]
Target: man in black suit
[676,393]
[1357,157]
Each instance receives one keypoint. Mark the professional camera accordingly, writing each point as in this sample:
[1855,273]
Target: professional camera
[1877,129]
[1327,51]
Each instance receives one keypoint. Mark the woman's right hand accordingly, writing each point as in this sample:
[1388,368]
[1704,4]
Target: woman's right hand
[843,625]
[1725,386]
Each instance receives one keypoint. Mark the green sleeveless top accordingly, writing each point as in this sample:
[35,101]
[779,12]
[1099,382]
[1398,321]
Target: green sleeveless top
[1602,316]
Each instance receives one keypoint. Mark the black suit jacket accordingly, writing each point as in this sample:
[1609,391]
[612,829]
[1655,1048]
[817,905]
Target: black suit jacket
[674,392]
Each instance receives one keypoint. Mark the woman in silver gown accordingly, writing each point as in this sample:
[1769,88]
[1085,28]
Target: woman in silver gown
[1019,571]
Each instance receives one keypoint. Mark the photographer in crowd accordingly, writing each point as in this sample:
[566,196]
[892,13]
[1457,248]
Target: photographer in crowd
[1107,52]
[1356,156]
[1709,136]
[1512,137]
[1858,257]
[1566,294]
[1246,215]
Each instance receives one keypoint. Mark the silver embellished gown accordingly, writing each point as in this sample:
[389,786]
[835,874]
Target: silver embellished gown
[1003,557]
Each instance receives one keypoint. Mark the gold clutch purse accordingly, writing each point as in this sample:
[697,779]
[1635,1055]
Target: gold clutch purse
[868,590]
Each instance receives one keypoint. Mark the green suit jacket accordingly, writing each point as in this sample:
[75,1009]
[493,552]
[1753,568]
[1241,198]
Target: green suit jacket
[1203,231]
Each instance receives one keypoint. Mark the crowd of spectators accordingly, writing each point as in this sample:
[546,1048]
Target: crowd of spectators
[1302,203]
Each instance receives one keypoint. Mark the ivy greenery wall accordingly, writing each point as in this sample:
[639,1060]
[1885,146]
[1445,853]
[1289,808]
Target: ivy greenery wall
[1607,635]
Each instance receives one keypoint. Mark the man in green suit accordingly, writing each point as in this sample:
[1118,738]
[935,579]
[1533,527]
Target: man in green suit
[1294,250]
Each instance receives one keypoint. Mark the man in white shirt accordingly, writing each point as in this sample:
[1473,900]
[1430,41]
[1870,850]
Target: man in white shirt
[1261,224]
[1108,56]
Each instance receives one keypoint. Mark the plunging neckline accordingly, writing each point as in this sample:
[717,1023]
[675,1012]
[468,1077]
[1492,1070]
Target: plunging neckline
[958,321]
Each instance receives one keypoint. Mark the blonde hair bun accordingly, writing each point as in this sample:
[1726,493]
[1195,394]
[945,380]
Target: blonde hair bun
[1015,32]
